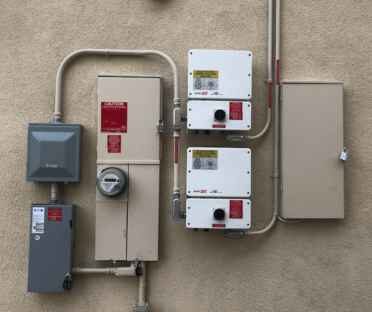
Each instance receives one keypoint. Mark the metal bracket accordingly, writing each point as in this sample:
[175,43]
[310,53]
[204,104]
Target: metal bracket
[161,126]
[344,155]
[142,308]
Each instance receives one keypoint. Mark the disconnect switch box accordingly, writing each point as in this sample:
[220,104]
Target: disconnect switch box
[50,251]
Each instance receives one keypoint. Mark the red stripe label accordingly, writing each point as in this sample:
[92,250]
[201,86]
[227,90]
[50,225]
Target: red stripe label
[218,126]
[176,149]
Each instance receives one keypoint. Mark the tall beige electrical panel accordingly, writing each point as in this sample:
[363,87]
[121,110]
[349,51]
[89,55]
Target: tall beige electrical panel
[128,160]
[311,145]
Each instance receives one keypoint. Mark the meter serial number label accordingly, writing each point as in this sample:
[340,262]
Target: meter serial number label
[205,79]
[205,159]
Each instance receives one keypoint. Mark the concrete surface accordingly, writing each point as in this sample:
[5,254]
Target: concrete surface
[315,267]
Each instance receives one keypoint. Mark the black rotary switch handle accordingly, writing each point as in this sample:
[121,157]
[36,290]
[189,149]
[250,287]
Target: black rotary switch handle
[219,214]
[220,115]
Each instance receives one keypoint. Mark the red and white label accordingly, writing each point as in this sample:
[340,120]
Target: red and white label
[219,225]
[114,143]
[55,214]
[236,209]
[219,126]
[114,116]
[236,111]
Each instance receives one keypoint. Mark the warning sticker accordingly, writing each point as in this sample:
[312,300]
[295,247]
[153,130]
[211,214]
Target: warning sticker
[114,116]
[38,220]
[114,143]
[205,80]
[204,159]
[236,110]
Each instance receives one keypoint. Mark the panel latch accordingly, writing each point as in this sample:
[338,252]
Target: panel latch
[344,155]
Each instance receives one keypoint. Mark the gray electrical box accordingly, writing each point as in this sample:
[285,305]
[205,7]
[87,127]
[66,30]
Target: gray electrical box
[53,152]
[50,251]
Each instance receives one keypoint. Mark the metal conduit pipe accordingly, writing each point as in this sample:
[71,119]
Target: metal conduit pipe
[276,138]
[53,196]
[57,115]
[269,73]
[117,271]
[142,305]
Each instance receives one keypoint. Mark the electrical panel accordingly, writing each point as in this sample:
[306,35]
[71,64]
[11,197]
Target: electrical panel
[312,160]
[128,160]
[50,251]
[53,152]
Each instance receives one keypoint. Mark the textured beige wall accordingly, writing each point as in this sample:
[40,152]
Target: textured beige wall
[316,266]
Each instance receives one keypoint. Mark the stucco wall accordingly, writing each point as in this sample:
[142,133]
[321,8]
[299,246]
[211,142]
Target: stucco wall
[316,266]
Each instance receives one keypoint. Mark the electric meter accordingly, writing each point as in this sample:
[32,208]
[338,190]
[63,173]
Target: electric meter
[112,182]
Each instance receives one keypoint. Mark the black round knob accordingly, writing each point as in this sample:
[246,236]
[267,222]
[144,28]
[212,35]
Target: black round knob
[219,214]
[220,115]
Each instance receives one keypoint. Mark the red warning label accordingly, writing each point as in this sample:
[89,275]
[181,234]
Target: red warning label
[236,111]
[114,116]
[55,214]
[236,209]
[114,143]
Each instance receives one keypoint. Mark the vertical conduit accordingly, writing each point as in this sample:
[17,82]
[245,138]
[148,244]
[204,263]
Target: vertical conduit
[276,143]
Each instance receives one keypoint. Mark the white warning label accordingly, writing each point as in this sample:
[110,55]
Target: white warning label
[204,159]
[38,223]
[205,80]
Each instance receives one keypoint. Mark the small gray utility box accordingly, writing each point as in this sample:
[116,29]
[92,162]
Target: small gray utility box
[53,152]
[50,251]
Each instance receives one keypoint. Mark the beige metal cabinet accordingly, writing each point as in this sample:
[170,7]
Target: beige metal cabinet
[129,110]
[311,142]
